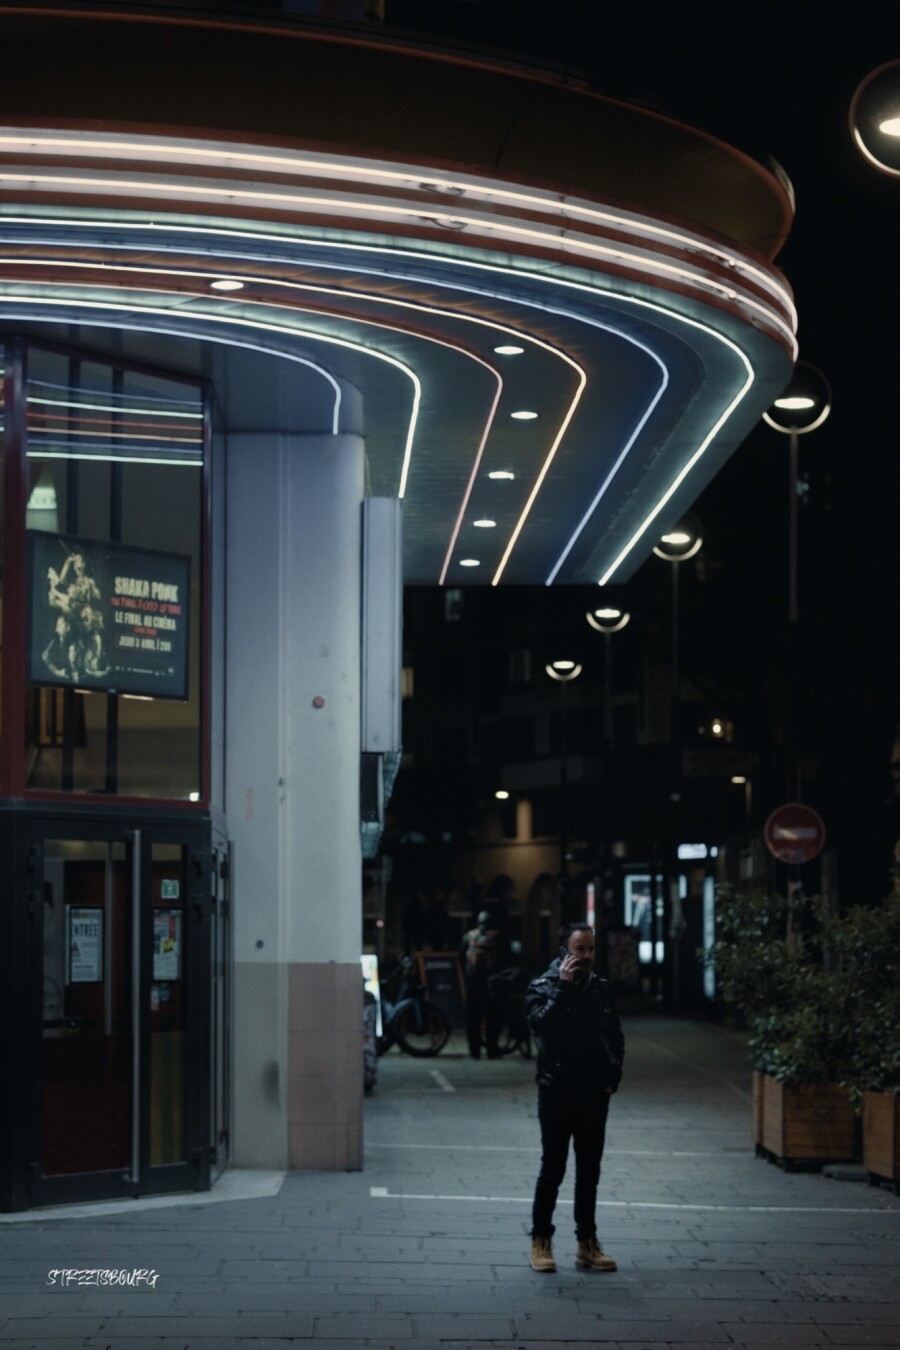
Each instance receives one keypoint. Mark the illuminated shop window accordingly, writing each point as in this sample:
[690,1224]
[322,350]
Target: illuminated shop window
[114,489]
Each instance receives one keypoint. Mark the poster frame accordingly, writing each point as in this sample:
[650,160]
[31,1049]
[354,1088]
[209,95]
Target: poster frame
[148,688]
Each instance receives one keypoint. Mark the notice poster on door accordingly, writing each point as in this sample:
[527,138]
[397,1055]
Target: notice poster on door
[167,944]
[84,948]
[104,616]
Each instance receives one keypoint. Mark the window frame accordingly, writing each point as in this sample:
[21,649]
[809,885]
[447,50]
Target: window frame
[13,683]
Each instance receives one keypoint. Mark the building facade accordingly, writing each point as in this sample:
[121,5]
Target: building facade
[268,286]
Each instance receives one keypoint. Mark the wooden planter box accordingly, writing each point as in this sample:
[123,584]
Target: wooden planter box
[881,1137]
[810,1122]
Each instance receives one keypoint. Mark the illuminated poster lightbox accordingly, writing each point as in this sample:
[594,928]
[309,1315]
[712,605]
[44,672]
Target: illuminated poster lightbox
[107,617]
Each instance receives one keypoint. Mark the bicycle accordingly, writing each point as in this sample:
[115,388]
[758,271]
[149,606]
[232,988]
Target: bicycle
[507,988]
[411,1020]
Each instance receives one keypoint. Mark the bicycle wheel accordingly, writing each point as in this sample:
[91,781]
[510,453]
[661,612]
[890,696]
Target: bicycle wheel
[420,1028]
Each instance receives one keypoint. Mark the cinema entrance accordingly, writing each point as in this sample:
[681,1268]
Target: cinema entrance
[125,1071]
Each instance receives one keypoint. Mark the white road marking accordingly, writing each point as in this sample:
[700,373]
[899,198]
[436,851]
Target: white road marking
[729,1155]
[382,1193]
[441,1081]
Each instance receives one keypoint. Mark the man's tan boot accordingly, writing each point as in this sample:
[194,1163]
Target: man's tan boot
[542,1255]
[589,1256]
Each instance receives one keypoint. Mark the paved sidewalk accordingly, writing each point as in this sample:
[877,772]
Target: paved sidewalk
[428,1247]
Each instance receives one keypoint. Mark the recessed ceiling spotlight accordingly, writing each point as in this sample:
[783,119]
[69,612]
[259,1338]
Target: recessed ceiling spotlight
[506,474]
[507,349]
[524,415]
[484,524]
[470,562]
[226,284]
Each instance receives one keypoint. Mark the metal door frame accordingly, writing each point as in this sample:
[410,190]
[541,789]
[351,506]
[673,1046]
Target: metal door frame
[139,834]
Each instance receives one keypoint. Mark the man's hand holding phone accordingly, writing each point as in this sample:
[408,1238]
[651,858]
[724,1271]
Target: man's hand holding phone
[572,966]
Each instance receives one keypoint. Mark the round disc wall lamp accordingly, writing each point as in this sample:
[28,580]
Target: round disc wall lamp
[875,118]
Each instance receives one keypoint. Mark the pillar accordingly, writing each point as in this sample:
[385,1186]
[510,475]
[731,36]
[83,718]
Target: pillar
[292,729]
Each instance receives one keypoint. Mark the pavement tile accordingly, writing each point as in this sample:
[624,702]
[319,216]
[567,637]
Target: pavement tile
[463,1326]
[602,1330]
[882,1334]
[240,1324]
[75,1329]
[327,1263]
[779,1333]
[362,1327]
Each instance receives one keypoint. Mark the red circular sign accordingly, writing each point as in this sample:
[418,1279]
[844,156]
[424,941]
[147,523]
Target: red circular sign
[794,833]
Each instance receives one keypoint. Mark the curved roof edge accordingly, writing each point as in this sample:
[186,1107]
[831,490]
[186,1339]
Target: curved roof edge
[288,84]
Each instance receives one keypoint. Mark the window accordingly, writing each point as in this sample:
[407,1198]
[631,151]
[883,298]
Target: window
[114,497]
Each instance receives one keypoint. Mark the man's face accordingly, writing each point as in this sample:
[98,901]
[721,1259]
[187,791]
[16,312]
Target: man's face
[580,944]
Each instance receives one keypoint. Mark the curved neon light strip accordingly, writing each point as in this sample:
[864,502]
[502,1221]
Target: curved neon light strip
[559,242]
[110,407]
[288,285]
[686,468]
[212,154]
[557,441]
[40,453]
[474,265]
[620,460]
[283,329]
[406,304]
[343,342]
[476,465]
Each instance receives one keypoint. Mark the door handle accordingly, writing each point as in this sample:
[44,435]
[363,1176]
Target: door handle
[135,1006]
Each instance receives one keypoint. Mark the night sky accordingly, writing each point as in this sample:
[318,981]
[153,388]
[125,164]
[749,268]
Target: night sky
[776,78]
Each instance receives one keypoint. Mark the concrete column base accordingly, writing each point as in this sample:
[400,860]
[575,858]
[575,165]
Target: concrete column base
[325,1089]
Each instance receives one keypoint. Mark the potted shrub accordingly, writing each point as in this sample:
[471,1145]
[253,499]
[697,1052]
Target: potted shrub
[865,952]
[820,997]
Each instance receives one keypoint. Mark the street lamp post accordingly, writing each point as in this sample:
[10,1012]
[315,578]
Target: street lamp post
[675,547]
[802,408]
[608,619]
[564,672]
[741,780]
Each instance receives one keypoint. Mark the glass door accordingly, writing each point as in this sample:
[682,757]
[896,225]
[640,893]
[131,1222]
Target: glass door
[90,1028]
[127,1047]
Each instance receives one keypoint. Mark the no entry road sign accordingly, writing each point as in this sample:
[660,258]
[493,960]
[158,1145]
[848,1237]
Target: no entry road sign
[794,833]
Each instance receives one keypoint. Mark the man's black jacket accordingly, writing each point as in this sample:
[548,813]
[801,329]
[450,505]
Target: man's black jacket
[578,1033]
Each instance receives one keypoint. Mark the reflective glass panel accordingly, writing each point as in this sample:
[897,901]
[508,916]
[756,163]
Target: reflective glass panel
[114,514]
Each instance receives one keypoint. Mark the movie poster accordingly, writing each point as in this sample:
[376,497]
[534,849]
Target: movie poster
[104,616]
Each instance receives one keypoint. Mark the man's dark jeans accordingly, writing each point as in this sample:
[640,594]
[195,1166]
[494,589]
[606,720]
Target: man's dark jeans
[565,1116]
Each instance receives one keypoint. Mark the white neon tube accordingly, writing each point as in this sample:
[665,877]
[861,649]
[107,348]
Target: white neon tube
[473,265]
[215,153]
[203,190]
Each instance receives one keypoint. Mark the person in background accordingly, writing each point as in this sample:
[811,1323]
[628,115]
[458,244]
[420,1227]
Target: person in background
[481,954]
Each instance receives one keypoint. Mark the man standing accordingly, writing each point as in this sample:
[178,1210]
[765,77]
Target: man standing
[572,1015]
[481,957]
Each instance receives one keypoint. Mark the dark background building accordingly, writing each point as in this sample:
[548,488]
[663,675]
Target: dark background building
[776,79]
